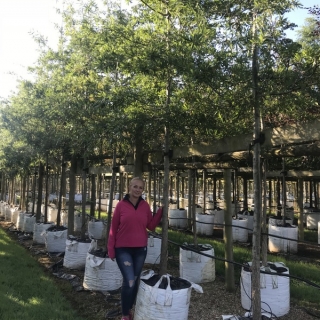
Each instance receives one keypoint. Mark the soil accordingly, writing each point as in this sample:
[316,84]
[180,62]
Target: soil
[214,302]
[175,282]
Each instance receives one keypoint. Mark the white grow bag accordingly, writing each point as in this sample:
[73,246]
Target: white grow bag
[38,229]
[14,215]
[76,253]
[239,230]
[52,214]
[2,208]
[249,217]
[210,205]
[278,222]
[218,218]
[154,303]
[64,218]
[312,220]
[8,212]
[196,267]
[283,245]
[204,224]
[178,218]
[101,274]
[20,220]
[28,223]
[275,290]
[30,205]
[77,222]
[55,240]
[153,250]
[97,229]
[104,204]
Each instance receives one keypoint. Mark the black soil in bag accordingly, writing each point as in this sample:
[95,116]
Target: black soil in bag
[56,228]
[175,282]
[72,238]
[99,253]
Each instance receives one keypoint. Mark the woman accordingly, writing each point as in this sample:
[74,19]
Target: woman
[128,239]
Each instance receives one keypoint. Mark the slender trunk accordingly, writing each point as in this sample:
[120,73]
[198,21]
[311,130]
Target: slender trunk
[99,195]
[284,193]
[315,194]
[256,237]
[154,190]
[3,188]
[46,191]
[164,243]
[138,149]
[113,181]
[149,186]
[193,214]
[93,195]
[264,242]
[61,191]
[28,188]
[84,198]
[12,196]
[227,232]
[72,191]
[23,193]
[300,205]
[121,185]
[190,200]
[40,186]
[34,192]
[204,187]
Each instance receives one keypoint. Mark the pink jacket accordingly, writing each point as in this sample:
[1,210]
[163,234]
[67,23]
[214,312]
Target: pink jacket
[129,224]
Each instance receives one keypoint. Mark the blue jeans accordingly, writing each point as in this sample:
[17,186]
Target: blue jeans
[130,262]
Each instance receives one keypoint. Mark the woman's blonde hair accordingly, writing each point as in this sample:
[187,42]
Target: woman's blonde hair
[135,179]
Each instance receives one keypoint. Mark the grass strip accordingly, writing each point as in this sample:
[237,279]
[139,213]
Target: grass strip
[26,292]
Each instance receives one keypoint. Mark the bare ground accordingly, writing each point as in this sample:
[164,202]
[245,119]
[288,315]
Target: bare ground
[214,302]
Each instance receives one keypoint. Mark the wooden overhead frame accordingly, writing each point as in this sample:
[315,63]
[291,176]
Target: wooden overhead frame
[236,152]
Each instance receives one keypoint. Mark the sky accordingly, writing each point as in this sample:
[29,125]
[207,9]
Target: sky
[18,50]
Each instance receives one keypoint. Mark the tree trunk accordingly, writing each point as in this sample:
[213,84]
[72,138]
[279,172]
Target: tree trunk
[62,188]
[300,205]
[12,192]
[256,236]
[46,191]
[284,193]
[204,187]
[93,195]
[113,182]
[264,242]
[40,187]
[3,187]
[23,193]
[28,187]
[72,192]
[154,190]
[193,207]
[84,198]
[164,242]
[227,232]
[190,200]
[138,149]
